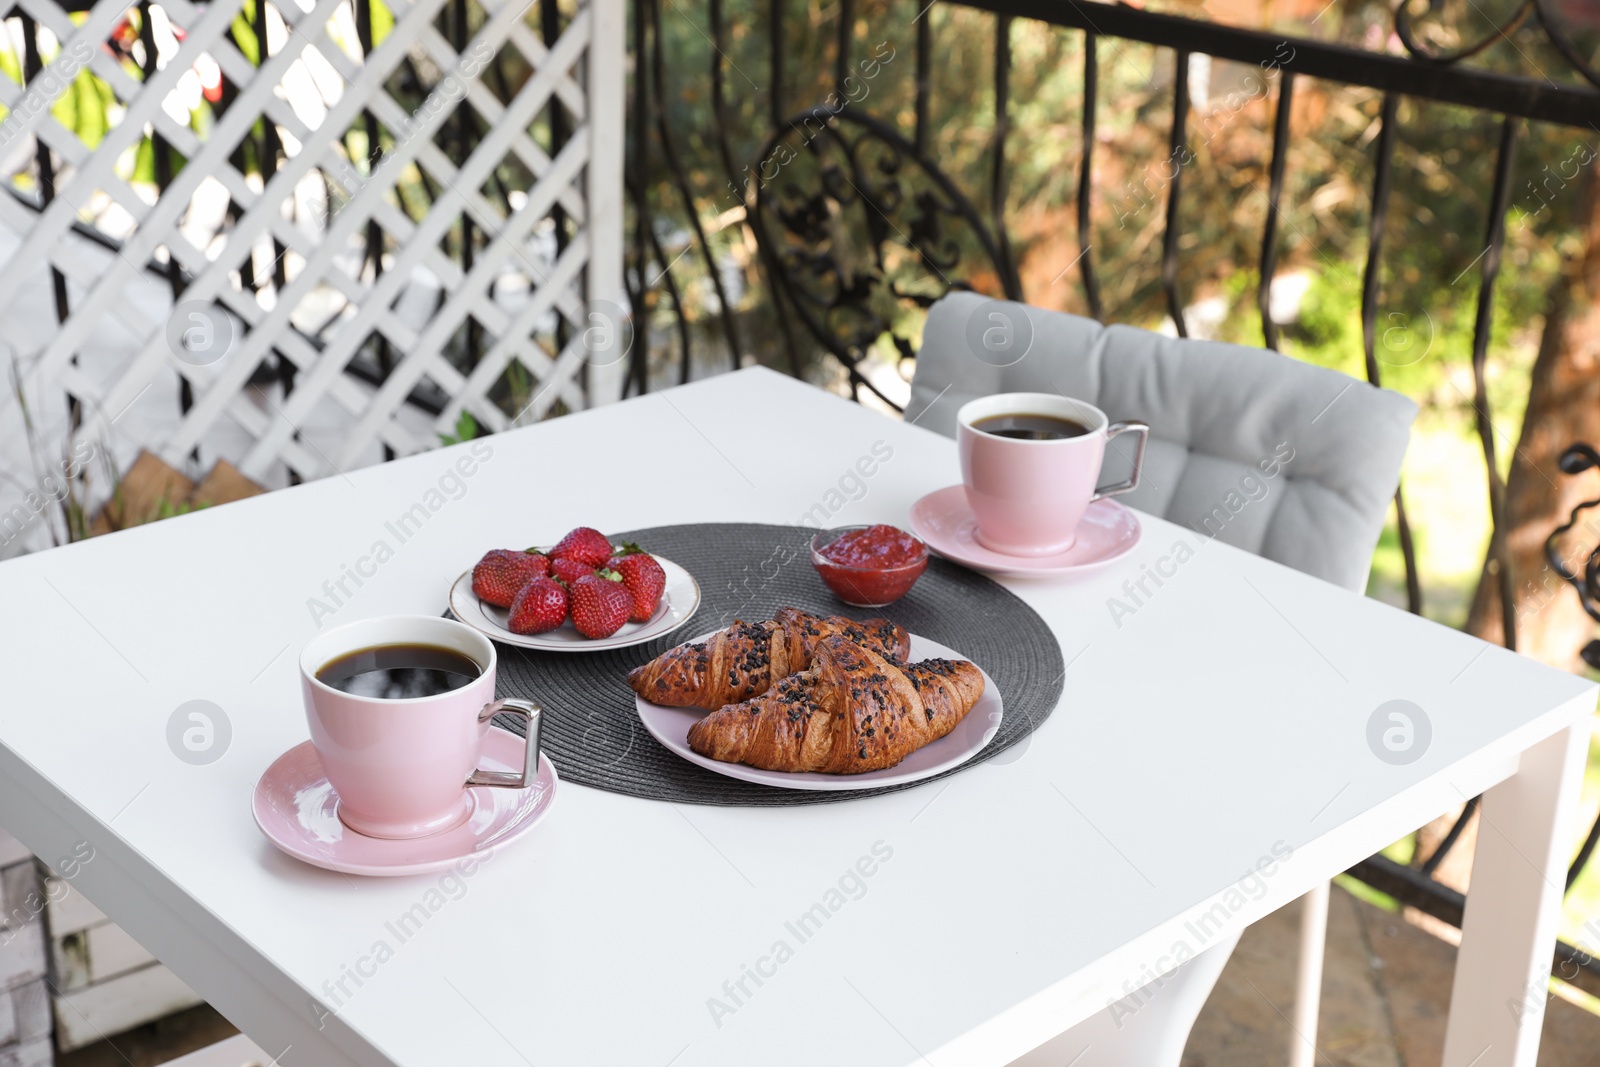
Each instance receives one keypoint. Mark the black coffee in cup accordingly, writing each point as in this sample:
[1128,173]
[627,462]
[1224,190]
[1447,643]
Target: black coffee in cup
[399,672]
[1025,427]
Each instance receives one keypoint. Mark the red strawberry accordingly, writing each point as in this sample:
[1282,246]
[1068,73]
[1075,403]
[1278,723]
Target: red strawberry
[569,570]
[644,579]
[600,604]
[540,606]
[501,574]
[586,545]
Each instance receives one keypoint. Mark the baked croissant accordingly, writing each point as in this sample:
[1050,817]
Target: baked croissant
[853,711]
[742,661]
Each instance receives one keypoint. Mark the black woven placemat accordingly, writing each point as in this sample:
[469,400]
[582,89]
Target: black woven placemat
[592,731]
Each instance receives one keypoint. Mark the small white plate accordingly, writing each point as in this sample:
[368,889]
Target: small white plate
[679,600]
[670,726]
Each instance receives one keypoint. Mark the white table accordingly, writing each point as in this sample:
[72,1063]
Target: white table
[1225,718]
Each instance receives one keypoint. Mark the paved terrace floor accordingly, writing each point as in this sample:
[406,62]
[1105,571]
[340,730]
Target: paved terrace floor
[1386,995]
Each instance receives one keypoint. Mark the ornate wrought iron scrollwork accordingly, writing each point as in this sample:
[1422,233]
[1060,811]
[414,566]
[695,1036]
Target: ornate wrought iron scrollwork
[863,228]
[1563,22]
[1575,460]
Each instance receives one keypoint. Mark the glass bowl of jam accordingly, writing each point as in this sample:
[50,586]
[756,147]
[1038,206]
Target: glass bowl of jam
[868,566]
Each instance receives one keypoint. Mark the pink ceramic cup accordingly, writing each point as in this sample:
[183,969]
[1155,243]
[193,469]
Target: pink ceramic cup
[402,767]
[1028,496]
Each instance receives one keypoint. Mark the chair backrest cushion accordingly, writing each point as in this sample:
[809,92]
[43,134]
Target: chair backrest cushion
[1290,461]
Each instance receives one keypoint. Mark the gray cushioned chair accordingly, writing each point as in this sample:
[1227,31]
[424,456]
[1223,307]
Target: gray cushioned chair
[1215,412]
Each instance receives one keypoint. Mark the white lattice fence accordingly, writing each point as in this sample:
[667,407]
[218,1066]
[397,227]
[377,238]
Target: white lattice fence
[468,259]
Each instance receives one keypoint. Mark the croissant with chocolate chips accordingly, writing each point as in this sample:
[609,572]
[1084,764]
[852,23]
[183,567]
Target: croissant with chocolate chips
[852,711]
[743,661]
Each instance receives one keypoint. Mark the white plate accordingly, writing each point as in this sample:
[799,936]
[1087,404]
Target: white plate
[679,600]
[670,726]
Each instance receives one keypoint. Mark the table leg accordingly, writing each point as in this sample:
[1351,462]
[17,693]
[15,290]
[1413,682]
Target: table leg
[1308,988]
[1513,907]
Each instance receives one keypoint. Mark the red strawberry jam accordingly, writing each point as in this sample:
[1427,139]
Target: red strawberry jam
[868,566]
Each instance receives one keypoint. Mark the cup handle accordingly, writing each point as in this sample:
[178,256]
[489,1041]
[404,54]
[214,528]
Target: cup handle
[1132,480]
[530,712]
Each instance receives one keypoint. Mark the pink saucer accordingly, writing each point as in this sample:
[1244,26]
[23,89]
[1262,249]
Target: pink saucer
[296,808]
[1107,532]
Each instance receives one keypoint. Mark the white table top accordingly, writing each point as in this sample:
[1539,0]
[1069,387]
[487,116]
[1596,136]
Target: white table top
[1226,717]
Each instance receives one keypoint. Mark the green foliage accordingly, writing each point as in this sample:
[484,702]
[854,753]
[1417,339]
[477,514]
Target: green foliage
[466,430]
[11,65]
[244,34]
[1328,331]
[166,509]
[144,163]
[382,21]
[84,108]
